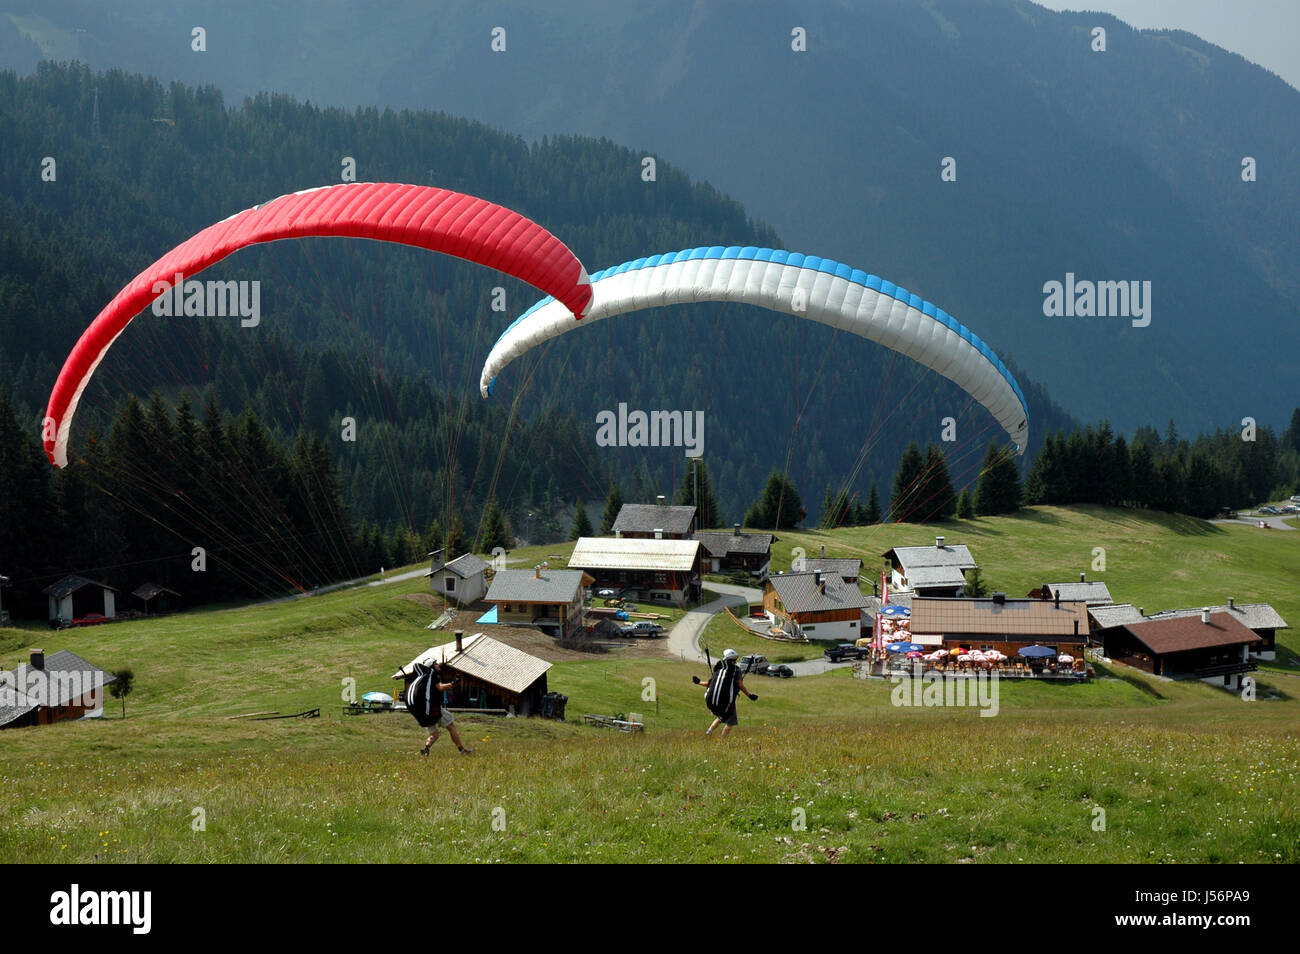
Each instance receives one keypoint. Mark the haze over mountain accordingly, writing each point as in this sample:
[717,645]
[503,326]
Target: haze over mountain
[1123,165]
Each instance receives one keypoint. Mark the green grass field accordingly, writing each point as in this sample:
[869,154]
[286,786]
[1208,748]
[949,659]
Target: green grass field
[822,768]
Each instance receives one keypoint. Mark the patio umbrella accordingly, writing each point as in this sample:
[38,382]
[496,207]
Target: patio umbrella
[905,648]
[994,655]
[1065,659]
[893,610]
[941,652]
[1037,652]
[964,657]
[914,655]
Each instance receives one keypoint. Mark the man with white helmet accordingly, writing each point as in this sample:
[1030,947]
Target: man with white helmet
[720,692]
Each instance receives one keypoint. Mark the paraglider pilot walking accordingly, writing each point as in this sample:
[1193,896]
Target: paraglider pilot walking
[424,701]
[720,692]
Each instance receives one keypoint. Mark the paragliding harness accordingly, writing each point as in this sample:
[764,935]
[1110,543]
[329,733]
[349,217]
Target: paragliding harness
[720,693]
[423,698]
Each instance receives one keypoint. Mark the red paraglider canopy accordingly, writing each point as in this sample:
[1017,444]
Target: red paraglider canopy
[437,219]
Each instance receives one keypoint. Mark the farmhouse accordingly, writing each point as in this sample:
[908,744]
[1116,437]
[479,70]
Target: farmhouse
[657,569]
[157,598]
[493,675]
[657,521]
[464,579]
[815,605]
[549,599]
[1260,618]
[736,552]
[1007,626]
[939,570]
[55,689]
[1209,646]
[74,597]
[847,570]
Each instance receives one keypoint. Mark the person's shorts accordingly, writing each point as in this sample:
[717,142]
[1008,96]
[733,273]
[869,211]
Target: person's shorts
[729,717]
[444,719]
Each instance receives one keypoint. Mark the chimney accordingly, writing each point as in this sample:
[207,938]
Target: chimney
[659,533]
[938,542]
[437,561]
[1232,603]
[661,500]
[1076,627]
[537,571]
[998,598]
[735,528]
[1142,611]
[460,635]
[817,577]
[1205,614]
[38,659]
[1057,601]
[1044,592]
[1081,578]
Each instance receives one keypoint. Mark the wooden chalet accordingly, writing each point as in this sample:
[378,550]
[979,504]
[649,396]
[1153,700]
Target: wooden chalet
[51,689]
[551,600]
[815,605]
[657,569]
[1210,646]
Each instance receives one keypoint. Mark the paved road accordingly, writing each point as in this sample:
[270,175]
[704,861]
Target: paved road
[391,578]
[1277,523]
[684,638]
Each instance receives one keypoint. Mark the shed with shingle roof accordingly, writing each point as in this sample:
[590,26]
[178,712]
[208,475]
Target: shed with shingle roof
[493,674]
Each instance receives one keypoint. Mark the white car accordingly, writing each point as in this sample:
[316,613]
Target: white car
[1295,498]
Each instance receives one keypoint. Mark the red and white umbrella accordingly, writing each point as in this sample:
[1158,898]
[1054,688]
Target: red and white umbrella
[1065,659]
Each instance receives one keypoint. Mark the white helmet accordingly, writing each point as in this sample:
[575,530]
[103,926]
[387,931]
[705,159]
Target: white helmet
[728,654]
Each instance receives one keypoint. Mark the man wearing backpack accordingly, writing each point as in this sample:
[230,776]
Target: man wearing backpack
[720,692]
[424,701]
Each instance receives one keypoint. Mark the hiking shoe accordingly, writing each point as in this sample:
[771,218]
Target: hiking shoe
[465,750]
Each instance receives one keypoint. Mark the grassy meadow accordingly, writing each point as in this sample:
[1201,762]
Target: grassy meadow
[822,768]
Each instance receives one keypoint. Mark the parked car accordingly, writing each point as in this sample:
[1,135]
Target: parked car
[644,628]
[1295,498]
[1228,513]
[752,663]
[779,672]
[846,651]
[1271,511]
[90,619]
[1291,508]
